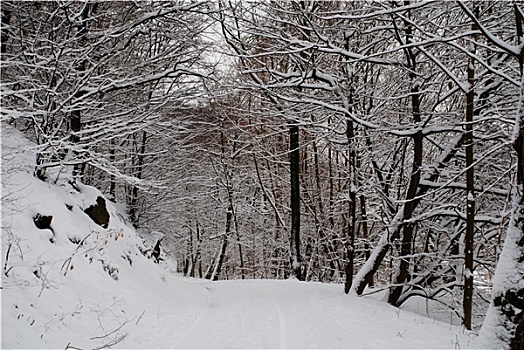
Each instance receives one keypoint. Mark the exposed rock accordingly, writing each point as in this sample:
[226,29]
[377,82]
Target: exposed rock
[43,222]
[98,212]
[156,251]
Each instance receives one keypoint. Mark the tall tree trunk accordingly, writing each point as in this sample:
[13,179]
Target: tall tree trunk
[350,239]
[365,233]
[223,248]
[133,200]
[235,221]
[331,189]
[407,233]
[76,115]
[219,262]
[198,256]
[503,326]
[191,254]
[294,167]
[467,302]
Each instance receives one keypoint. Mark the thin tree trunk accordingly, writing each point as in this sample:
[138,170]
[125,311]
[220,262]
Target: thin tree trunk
[409,207]
[112,181]
[294,166]
[408,228]
[365,233]
[76,116]
[350,243]
[223,248]
[467,302]
[191,254]
[133,204]
[199,251]
[215,273]
[331,189]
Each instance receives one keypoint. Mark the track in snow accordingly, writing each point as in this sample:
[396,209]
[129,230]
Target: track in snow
[291,314]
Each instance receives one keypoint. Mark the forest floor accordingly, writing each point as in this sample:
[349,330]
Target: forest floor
[80,286]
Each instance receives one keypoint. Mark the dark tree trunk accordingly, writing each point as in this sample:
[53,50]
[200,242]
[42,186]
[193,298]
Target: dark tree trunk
[467,302]
[198,256]
[408,228]
[350,243]
[112,180]
[6,20]
[133,200]
[76,115]
[76,126]
[365,233]
[225,242]
[215,273]
[294,166]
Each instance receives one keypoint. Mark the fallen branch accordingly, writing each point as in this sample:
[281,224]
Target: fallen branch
[143,312]
[6,270]
[113,331]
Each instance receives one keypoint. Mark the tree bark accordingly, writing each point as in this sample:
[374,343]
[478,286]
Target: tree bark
[467,302]
[365,233]
[407,233]
[350,243]
[133,200]
[76,115]
[294,166]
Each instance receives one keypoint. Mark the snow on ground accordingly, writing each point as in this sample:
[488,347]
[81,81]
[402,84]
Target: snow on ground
[83,286]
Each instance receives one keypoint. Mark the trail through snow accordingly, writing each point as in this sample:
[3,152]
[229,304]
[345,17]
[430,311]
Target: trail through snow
[292,314]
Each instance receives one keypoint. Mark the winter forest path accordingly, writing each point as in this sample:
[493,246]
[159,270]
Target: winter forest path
[142,305]
[234,316]
[291,314]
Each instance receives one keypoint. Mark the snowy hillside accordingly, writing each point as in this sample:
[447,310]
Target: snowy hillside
[77,284]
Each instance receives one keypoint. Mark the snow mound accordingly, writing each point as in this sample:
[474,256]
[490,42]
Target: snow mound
[69,273]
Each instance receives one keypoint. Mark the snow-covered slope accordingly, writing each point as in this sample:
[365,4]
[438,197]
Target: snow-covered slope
[80,285]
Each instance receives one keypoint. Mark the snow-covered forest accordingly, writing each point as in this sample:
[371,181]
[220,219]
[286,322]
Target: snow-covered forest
[368,148]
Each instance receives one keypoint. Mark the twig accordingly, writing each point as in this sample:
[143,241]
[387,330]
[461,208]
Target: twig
[111,343]
[143,312]
[113,331]
[82,241]
[69,346]
[6,270]
[68,262]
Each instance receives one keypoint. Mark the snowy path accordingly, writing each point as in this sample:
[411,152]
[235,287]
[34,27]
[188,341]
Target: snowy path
[233,318]
[291,314]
